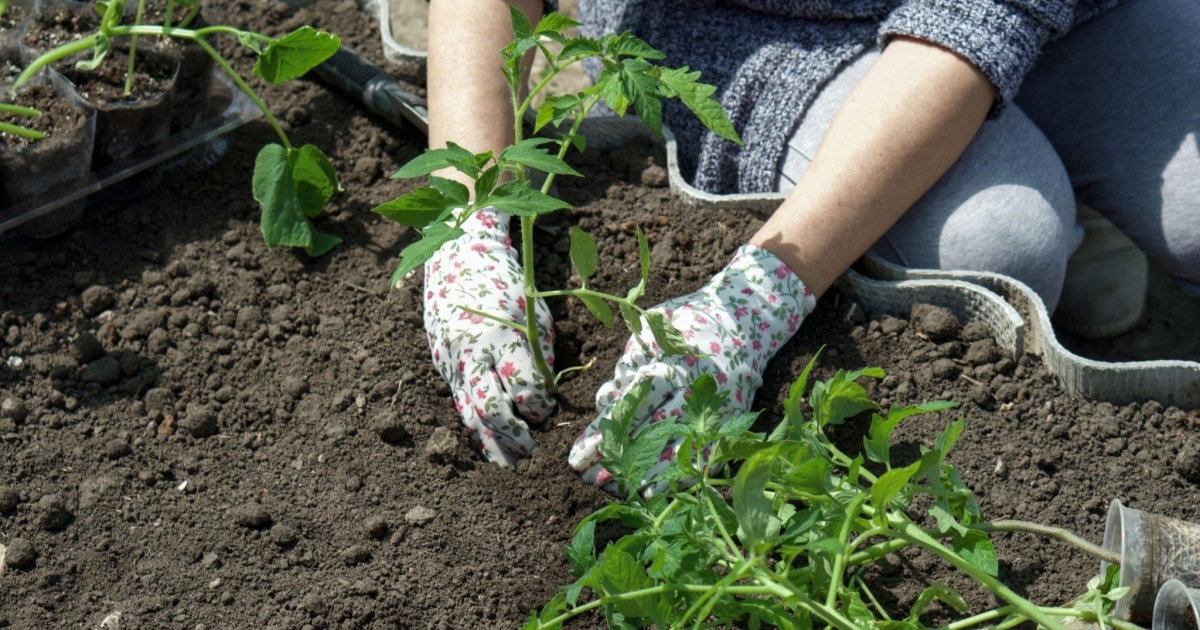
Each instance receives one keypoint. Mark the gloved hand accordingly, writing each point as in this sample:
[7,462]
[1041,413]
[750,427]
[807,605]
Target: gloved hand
[488,366]
[740,319]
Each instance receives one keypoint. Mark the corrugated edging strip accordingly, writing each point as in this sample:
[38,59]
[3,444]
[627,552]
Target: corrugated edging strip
[1008,307]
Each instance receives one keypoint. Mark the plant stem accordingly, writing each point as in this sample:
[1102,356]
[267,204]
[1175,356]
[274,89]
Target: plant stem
[787,590]
[1057,533]
[53,55]
[241,83]
[576,292]
[906,530]
[17,130]
[133,40]
[839,563]
[532,334]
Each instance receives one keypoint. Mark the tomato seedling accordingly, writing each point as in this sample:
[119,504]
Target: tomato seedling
[628,79]
[292,184]
[785,542]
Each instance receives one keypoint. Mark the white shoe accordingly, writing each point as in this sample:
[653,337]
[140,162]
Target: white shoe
[1105,288]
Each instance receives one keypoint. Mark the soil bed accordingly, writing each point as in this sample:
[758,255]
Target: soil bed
[201,432]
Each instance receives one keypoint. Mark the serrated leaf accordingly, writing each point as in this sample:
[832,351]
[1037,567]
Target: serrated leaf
[753,508]
[436,159]
[641,454]
[738,424]
[703,403]
[621,573]
[889,484]
[528,153]
[415,255]
[615,427]
[487,182]
[976,548]
[519,199]
[641,89]
[838,399]
[626,44]
[284,221]
[316,180]
[609,85]
[792,411]
[599,308]
[417,209]
[697,97]
[453,193]
[581,553]
[554,23]
[666,335]
[293,55]
[579,47]
[583,254]
[811,476]
[521,27]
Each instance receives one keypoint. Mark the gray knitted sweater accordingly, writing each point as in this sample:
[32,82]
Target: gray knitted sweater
[769,58]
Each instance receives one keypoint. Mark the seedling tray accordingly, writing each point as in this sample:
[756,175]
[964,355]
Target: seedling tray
[188,150]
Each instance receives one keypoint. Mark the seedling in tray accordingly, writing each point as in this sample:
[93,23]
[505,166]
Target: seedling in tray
[786,541]
[292,184]
[628,79]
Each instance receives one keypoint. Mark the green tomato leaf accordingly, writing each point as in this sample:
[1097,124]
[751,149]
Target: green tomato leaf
[527,153]
[554,23]
[418,208]
[581,553]
[738,424]
[434,236]
[284,221]
[521,27]
[975,547]
[584,254]
[643,255]
[453,156]
[838,399]
[640,87]
[938,592]
[626,44]
[793,415]
[621,573]
[877,446]
[753,508]
[697,97]
[703,405]
[890,484]
[615,428]
[487,182]
[666,335]
[453,193]
[641,454]
[599,308]
[633,319]
[609,85]
[811,476]
[579,47]
[294,54]
[316,179]
[518,198]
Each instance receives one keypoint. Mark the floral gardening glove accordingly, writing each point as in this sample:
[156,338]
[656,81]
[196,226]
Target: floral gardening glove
[488,366]
[740,319]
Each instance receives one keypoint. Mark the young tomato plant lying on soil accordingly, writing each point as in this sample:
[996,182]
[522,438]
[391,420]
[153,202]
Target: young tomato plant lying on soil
[18,130]
[785,542]
[292,184]
[627,79]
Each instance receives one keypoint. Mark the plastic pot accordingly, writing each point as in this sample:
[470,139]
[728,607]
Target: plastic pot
[1177,607]
[41,171]
[1153,550]
[14,21]
[194,85]
[128,131]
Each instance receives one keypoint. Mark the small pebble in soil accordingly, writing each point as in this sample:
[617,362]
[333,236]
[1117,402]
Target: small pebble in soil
[251,516]
[86,348]
[355,555]
[891,325]
[386,424]
[20,554]
[376,527]
[9,499]
[946,369]
[937,323]
[420,515]
[104,371]
[364,588]
[14,409]
[199,420]
[983,351]
[53,513]
[283,536]
[442,444]
[97,298]
[116,448]
[1187,462]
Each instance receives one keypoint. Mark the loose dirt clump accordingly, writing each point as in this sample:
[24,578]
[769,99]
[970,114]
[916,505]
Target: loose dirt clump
[205,432]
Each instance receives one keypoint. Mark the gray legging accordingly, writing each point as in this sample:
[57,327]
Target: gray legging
[1109,115]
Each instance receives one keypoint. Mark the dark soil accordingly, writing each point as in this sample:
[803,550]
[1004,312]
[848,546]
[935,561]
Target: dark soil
[57,114]
[58,25]
[200,432]
[154,75]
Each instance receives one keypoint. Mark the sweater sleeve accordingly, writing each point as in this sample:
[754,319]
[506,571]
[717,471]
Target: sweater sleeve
[1000,37]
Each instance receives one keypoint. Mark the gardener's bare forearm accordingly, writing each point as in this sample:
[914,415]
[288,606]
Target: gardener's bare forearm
[469,99]
[901,128]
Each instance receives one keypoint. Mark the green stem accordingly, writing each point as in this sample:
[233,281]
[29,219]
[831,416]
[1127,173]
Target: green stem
[532,334]
[19,110]
[17,130]
[54,55]
[133,40]
[732,551]
[839,563]
[906,530]
[704,604]
[577,368]
[983,617]
[577,292]
[241,83]
[3,6]
[1057,533]
[498,320]
[786,591]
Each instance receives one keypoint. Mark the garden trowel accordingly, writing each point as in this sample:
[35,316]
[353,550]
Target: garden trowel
[379,92]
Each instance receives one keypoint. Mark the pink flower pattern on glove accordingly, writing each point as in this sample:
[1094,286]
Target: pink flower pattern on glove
[739,320]
[488,366]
